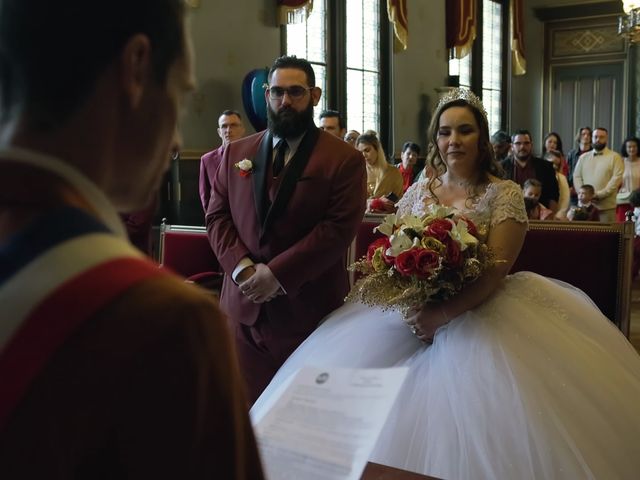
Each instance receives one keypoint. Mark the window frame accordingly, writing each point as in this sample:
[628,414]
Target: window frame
[477,59]
[336,64]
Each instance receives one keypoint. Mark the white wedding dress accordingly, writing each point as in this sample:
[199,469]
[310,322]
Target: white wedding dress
[534,384]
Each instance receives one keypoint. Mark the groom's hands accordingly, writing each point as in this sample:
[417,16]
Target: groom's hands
[259,284]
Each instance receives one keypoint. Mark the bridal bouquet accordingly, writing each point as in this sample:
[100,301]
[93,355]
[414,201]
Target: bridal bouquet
[420,260]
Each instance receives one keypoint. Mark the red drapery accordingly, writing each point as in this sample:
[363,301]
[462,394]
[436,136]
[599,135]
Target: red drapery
[397,11]
[461,26]
[517,41]
[293,11]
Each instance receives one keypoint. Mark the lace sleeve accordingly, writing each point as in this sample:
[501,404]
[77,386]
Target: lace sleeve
[411,198]
[507,203]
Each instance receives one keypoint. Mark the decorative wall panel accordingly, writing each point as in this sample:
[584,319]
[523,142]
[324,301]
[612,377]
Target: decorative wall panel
[577,42]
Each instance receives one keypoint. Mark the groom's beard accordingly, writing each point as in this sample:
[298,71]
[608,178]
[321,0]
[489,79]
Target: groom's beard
[598,147]
[289,123]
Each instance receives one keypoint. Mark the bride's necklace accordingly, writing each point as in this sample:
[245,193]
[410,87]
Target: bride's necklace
[460,183]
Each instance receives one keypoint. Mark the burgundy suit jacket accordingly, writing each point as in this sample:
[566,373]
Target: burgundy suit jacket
[209,163]
[299,224]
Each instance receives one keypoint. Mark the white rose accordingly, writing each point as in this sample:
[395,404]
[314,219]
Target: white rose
[245,165]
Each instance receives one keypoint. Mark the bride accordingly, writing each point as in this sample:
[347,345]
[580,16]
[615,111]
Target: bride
[525,378]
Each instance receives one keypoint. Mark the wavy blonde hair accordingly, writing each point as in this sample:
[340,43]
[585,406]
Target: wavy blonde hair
[374,172]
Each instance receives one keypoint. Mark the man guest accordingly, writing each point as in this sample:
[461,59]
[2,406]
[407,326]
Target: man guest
[230,128]
[286,204]
[522,165]
[603,169]
[331,122]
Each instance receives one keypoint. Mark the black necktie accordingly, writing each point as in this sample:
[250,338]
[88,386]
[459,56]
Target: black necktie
[278,161]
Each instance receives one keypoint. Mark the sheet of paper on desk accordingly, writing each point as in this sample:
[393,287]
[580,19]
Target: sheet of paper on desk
[325,422]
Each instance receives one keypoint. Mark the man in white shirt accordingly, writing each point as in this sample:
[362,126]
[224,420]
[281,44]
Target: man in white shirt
[602,168]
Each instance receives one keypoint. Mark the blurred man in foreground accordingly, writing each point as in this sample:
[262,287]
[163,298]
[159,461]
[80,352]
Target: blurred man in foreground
[109,367]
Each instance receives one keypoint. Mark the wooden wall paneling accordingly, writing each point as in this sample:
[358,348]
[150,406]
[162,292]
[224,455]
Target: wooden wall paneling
[585,78]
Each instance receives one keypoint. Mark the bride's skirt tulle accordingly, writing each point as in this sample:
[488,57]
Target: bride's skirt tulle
[536,383]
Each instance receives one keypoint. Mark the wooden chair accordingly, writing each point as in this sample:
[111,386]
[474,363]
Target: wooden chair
[594,257]
[185,250]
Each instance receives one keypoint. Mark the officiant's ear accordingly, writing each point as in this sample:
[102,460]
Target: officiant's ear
[316,93]
[135,67]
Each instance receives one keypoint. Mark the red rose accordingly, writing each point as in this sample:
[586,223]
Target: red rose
[376,205]
[380,242]
[426,261]
[439,229]
[406,262]
[453,256]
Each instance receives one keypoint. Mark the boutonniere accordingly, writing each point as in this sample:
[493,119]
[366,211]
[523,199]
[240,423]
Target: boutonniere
[245,167]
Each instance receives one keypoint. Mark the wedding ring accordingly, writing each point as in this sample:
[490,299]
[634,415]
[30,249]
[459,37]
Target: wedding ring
[414,329]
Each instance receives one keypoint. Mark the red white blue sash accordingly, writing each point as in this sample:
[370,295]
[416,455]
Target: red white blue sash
[48,295]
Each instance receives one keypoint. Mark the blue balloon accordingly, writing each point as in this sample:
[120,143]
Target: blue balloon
[253,97]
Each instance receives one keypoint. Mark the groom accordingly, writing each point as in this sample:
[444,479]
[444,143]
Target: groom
[286,204]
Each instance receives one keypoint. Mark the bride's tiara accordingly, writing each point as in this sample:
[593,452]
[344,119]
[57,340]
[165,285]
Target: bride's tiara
[462,94]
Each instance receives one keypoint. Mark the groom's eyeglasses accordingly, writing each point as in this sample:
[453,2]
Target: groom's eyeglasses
[295,93]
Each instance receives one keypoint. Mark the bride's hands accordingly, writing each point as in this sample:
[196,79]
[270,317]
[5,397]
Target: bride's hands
[424,322]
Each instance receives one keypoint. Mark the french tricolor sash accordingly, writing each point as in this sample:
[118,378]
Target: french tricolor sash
[58,274]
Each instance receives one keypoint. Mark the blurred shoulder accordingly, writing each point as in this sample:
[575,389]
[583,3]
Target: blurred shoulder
[166,304]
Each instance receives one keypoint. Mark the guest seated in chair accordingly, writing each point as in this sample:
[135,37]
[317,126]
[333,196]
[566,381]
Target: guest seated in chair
[409,156]
[351,137]
[535,210]
[585,210]
[384,182]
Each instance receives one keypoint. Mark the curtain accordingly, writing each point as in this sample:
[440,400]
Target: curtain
[517,41]
[293,11]
[461,17]
[397,11]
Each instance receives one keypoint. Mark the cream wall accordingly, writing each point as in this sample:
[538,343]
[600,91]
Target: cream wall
[526,90]
[418,70]
[229,39]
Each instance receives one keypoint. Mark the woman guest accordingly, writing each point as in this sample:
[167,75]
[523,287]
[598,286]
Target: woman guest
[630,178]
[556,158]
[583,141]
[409,156]
[553,142]
[351,136]
[384,182]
